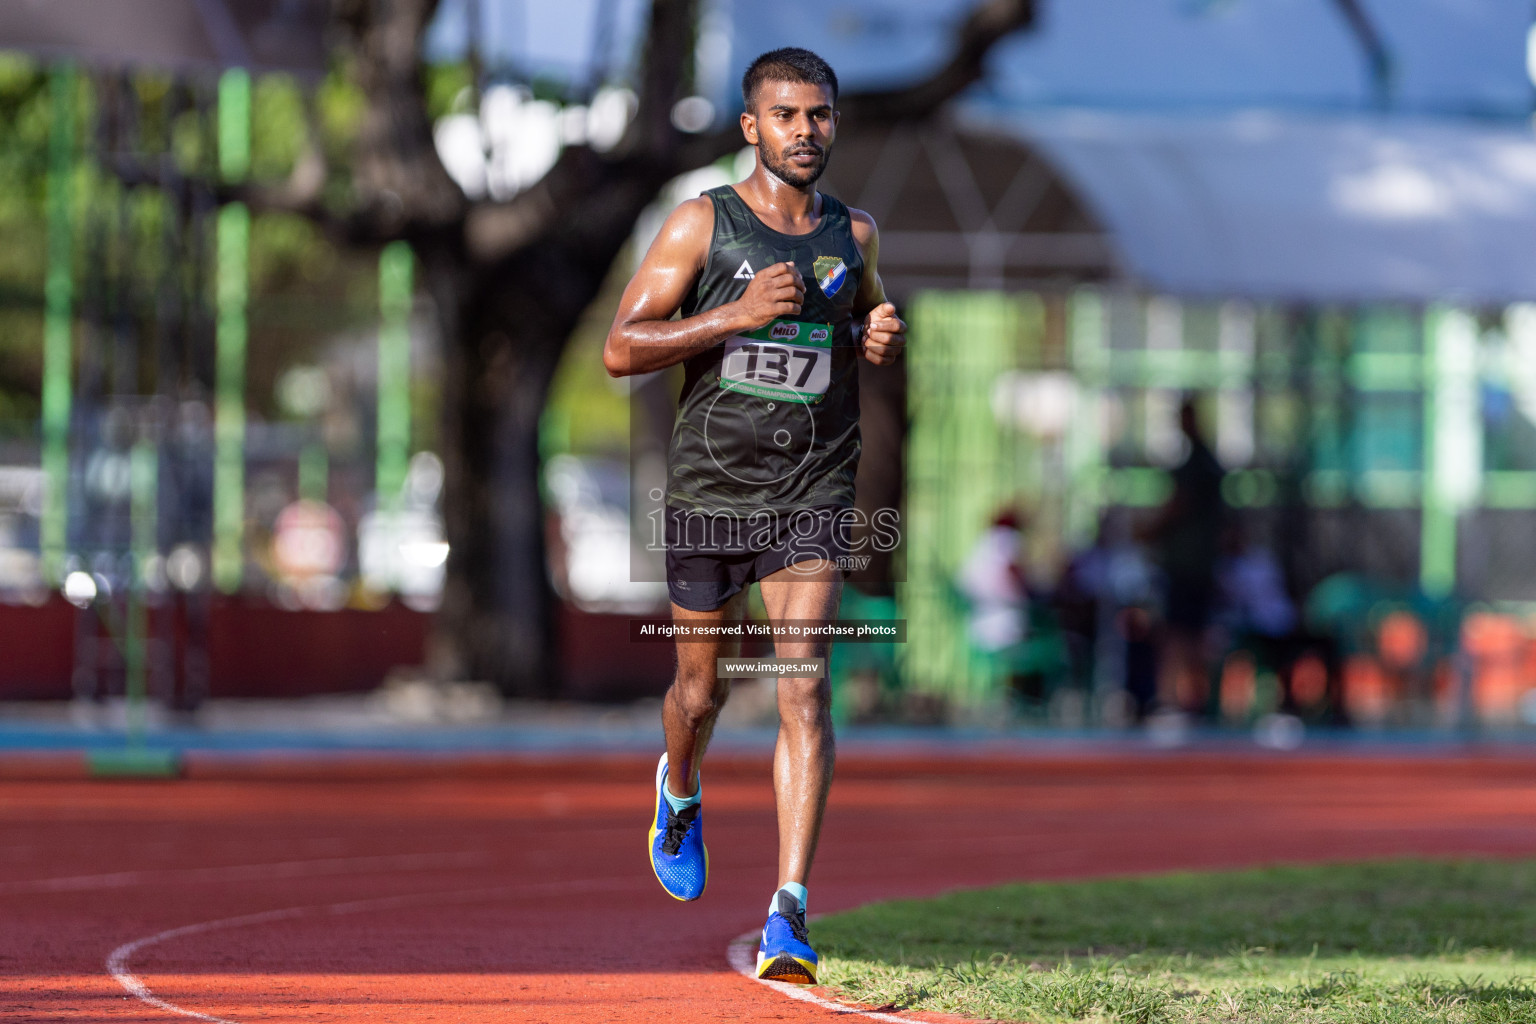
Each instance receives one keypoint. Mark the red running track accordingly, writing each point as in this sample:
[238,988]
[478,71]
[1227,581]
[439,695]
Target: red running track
[519,890]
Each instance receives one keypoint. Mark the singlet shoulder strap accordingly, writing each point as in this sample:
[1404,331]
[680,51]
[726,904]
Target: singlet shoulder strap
[733,220]
[727,202]
[833,207]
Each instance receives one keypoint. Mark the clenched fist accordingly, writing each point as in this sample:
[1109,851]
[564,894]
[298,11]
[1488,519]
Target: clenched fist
[776,291]
[884,335]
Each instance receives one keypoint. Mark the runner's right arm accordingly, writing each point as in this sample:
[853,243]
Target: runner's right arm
[644,337]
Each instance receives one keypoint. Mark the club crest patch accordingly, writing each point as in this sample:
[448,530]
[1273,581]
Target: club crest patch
[830,272]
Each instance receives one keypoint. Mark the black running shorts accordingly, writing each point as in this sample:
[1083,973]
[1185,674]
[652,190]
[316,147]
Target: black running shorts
[711,558]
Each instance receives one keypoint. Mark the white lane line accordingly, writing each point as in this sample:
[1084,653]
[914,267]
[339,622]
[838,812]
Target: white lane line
[117,960]
[246,872]
[742,953]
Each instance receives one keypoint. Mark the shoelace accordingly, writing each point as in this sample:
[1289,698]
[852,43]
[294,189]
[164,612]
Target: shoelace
[678,824]
[793,916]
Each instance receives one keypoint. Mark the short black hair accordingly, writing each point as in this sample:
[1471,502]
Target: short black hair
[789,64]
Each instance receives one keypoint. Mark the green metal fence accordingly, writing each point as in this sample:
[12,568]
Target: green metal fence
[962,466]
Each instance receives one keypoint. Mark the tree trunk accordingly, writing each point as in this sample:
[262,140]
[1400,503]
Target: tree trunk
[505,327]
[497,606]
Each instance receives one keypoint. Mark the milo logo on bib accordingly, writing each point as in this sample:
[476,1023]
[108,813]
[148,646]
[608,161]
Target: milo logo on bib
[786,360]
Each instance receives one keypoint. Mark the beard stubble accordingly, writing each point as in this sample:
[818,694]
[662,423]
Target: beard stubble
[779,166]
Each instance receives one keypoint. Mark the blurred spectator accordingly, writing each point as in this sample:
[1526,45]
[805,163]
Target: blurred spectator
[992,579]
[1251,588]
[1187,533]
[1105,605]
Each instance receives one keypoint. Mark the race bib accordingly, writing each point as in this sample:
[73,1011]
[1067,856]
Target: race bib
[786,360]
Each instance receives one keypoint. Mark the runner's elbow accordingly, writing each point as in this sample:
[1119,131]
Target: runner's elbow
[616,357]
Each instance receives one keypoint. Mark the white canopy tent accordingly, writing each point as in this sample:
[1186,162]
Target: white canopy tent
[1300,207]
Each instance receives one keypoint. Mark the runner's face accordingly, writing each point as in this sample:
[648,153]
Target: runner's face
[795,124]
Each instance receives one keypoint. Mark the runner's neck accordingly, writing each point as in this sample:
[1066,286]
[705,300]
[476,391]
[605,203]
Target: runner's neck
[781,206]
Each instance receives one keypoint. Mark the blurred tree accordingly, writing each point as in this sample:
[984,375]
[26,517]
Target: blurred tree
[510,279]
[24,133]
[1373,45]
[306,288]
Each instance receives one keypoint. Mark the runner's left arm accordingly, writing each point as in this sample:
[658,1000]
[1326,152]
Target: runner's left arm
[882,334]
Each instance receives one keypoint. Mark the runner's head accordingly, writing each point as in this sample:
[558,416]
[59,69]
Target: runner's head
[790,96]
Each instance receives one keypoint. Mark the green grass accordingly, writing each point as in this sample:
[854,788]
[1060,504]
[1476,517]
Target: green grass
[1397,942]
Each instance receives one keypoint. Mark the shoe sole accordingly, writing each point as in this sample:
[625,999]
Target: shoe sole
[786,969]
[650,842]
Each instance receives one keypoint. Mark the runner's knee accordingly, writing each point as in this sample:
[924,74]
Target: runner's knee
[698,694]
[804,701]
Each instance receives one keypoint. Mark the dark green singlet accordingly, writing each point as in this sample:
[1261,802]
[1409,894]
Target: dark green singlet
[770,420]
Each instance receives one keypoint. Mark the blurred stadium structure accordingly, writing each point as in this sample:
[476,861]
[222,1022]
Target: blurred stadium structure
[1239,201]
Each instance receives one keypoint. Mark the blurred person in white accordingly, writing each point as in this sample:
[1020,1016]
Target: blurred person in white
[992,579]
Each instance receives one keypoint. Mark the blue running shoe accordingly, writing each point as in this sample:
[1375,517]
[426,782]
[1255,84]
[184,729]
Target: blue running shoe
[783,954]
[678,855]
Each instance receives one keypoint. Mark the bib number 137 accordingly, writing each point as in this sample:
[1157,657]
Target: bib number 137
[794,370]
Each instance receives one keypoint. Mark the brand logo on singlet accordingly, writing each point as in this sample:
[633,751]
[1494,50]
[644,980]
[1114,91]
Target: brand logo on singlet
[783,330]
[819,334]
[744,272]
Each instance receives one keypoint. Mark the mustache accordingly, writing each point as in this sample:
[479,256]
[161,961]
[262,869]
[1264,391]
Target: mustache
[803,147]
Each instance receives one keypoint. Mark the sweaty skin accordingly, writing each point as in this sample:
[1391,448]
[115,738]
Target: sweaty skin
[792,125]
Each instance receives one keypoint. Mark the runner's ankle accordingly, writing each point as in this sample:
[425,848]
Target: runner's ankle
[795,889]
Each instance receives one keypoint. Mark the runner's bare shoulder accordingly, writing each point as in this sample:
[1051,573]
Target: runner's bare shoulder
[683,241]
[863,227]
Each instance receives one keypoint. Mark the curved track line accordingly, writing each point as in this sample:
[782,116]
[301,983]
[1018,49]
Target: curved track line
[246,872]
[117,960]
[742,957]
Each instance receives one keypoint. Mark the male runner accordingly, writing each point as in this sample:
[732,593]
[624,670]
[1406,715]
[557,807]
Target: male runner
[779,296]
